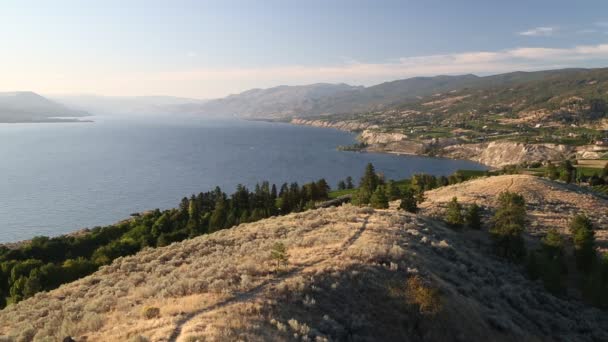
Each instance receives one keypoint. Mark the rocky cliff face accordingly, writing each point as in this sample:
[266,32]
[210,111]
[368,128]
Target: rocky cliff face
[349,126]
[502,153]
[373,137]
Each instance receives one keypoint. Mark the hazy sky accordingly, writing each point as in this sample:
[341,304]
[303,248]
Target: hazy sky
[208,49]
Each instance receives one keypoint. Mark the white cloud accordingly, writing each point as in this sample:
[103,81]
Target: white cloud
[539,31]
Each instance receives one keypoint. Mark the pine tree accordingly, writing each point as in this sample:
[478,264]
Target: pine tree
[273,192]
[369,181]
[219,215]
[408,201]
[551,264]
[568,172]
[509,220]
[392,190]
[379,199]
[349,183]
[323,189]
[473,216]
[278,253]
[341,185]
[583,237]
[453,215]
[551,172]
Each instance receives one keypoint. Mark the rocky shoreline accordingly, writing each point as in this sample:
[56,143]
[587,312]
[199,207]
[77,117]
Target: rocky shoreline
[494,154]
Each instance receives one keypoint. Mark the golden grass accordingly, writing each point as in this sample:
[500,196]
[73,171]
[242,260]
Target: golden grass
[345,266]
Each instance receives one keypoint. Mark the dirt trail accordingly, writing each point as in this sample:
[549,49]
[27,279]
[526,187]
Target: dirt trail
[269,284]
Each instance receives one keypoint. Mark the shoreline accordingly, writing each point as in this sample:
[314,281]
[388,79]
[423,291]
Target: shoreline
[373,148]
[493,154]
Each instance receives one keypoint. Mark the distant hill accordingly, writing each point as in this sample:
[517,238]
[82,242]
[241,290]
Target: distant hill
[26,106]
[326,99]
[277,102]
[130,105]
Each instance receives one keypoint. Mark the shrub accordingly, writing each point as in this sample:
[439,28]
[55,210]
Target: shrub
[278,253]
[379,199]
[424,297]
[473,216]
[453,215]
[150,312]
[408,201]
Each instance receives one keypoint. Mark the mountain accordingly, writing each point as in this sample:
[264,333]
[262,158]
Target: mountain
[277,102]
[351,274]
[129,105]
[26,106]
[327,99]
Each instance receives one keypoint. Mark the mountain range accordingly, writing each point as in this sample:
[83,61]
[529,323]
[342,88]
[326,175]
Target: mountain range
[326,99]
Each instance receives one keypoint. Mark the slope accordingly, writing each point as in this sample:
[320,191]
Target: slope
[345,280]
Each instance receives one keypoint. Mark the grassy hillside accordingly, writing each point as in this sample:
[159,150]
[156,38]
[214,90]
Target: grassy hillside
[348,273]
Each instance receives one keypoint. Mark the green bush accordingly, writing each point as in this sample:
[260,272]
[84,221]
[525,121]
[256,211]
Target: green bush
[150,312]
[453,214]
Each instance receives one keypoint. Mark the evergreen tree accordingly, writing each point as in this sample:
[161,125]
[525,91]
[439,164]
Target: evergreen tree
[509,220]
[551,264]
[392,190]
[219,215]
[349,183]
[551,172]
[278,253]
[370,180]
[341,185]
[453,215]
[568,173]
[323,189]
[184,205]
[583,237]
[273,193]
[408,201]
[473,216]
[379,199]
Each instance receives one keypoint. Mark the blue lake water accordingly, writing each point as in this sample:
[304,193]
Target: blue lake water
[56,178]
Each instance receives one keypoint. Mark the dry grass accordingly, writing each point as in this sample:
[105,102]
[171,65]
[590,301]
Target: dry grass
[346,279]
[549,204]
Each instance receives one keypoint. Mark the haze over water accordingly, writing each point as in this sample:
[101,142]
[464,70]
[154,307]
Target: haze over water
[57,178]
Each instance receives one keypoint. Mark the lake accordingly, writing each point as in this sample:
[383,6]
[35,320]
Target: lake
[60,177]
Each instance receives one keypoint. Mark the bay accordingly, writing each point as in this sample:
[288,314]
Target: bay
[60,177]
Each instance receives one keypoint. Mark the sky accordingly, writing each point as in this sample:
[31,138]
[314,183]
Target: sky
[209,49]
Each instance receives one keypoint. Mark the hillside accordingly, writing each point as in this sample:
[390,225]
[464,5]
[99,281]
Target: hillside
[31,107]
[515,94]
[275,103]
[345,279]
[549,204]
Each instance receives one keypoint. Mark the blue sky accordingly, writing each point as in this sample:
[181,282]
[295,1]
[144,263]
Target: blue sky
[208,49]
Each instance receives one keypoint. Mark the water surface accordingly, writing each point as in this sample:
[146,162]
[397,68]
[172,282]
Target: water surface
[59,177]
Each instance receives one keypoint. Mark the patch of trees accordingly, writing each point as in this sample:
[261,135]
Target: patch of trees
[549,263]
[45,263]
